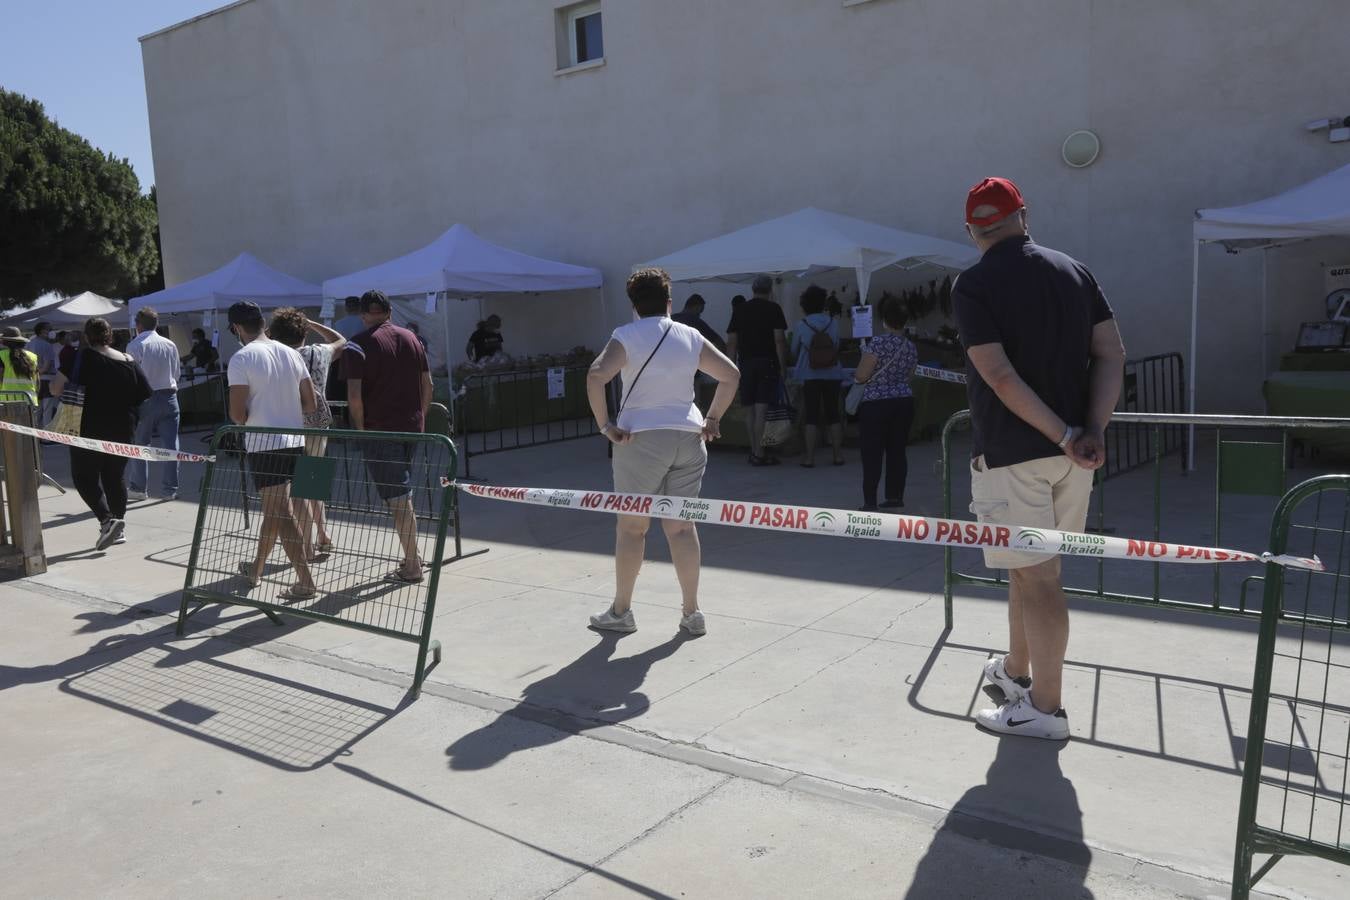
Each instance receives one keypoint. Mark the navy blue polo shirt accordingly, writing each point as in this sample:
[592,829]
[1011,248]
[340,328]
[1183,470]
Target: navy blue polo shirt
[1041,305]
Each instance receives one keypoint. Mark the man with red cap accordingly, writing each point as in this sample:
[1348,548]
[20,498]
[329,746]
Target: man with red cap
[1046,366]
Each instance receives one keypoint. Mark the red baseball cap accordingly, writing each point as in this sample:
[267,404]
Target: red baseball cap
[999,193]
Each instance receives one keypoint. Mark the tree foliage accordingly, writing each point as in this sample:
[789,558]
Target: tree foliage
[72,218]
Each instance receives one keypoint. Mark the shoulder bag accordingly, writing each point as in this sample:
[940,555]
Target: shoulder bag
[69,418]
[628,394]
[853,399]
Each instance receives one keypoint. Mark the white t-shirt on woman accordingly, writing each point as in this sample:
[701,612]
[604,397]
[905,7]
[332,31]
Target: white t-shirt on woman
[664,396]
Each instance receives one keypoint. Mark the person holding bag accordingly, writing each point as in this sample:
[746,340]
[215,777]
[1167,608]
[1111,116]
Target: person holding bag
[113,387]
[815,341]
[289,327]
[660,436]
[884,403]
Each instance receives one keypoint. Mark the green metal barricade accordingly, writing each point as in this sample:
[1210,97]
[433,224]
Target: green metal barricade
[1298,736]
[383,496]
[1243,469]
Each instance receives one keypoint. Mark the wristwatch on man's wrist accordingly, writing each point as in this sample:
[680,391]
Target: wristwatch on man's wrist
[604,429]
[1068,435]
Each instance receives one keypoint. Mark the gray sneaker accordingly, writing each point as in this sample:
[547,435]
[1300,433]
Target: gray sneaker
[607,621]
[694,624]
[107,536]
[136,495]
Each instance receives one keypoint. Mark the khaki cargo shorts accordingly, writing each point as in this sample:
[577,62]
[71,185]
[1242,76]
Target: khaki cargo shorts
[1040,493]
[663,461]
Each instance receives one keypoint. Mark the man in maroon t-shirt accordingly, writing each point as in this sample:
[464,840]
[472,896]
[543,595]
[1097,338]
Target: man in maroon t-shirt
[389,389]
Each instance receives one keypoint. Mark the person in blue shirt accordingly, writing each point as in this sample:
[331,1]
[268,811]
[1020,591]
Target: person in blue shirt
[815,344]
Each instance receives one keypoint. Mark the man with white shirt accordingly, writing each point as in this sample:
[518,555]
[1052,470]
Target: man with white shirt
[159,416]
[270,388]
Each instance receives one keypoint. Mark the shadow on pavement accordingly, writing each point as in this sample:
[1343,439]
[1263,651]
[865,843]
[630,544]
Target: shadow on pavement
[584,867]
[969,659]
[182,684]
[610,688]
[1025,775]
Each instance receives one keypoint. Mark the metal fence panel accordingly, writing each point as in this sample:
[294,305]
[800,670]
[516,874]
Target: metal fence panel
[382,496]
[1298,735]
[1135,497]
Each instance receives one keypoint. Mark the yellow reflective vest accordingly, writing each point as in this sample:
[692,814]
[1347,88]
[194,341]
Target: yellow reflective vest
[12,382]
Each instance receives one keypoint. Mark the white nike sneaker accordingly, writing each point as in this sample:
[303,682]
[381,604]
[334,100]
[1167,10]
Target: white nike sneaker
[1021,718]
[137,496]
[1013,689]
[607,621]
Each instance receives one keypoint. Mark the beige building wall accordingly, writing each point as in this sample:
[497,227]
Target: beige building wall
[327,135]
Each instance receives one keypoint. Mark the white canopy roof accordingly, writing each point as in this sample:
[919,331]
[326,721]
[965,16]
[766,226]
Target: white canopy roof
[807,241]
[461,262]
[1316,209]
[64,311]
[243,278]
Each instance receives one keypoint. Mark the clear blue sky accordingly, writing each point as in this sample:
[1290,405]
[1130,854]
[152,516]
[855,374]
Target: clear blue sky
[82,60]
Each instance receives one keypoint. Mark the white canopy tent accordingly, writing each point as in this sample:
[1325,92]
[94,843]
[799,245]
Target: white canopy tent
[243,278]
[461,264]
[1319,208]
[808,241]
[64,312]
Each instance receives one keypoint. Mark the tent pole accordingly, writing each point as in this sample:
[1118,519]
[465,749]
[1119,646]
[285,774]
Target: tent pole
[1195,306]
[1265,313]
[444,302]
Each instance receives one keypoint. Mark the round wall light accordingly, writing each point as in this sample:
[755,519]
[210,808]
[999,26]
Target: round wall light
[1081,149]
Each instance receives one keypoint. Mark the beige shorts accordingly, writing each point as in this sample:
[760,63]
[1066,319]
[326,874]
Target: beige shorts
[1039,493]
[663,461]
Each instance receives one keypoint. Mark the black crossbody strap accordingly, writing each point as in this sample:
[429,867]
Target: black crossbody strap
[629,393]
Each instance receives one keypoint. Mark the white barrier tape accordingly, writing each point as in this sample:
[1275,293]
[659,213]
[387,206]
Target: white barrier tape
[131,451]
[879,526]
[940,374]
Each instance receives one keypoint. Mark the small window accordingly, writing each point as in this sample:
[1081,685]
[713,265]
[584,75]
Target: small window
[586,38]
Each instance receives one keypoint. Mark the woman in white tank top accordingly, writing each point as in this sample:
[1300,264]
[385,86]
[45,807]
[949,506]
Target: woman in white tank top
[659,436]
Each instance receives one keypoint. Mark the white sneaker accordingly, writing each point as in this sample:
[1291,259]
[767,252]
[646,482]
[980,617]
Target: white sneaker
[107,535]
[1013,689]
[137,495]
[1021,718]
[607,621]
[694,624]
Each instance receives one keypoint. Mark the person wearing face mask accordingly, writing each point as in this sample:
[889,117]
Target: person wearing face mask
[271,388]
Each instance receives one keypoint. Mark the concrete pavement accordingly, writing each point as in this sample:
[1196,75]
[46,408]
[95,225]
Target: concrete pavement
[815,743]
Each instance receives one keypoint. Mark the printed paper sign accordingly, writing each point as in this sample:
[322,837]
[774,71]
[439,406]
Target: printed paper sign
[557,384]
[431,302]
[326,310]
[862,321]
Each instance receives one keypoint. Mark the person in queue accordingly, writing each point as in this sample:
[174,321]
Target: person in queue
[114,389]
[158,420]
[349,326]
[270,388]
[40,345]
[18,366]
[692,315]
[886,413]
[815,344]
[486,341]
[756,339]
[660,436]
[290,326]
[202,355]
[389,389]
[1046,368]
[69,342]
